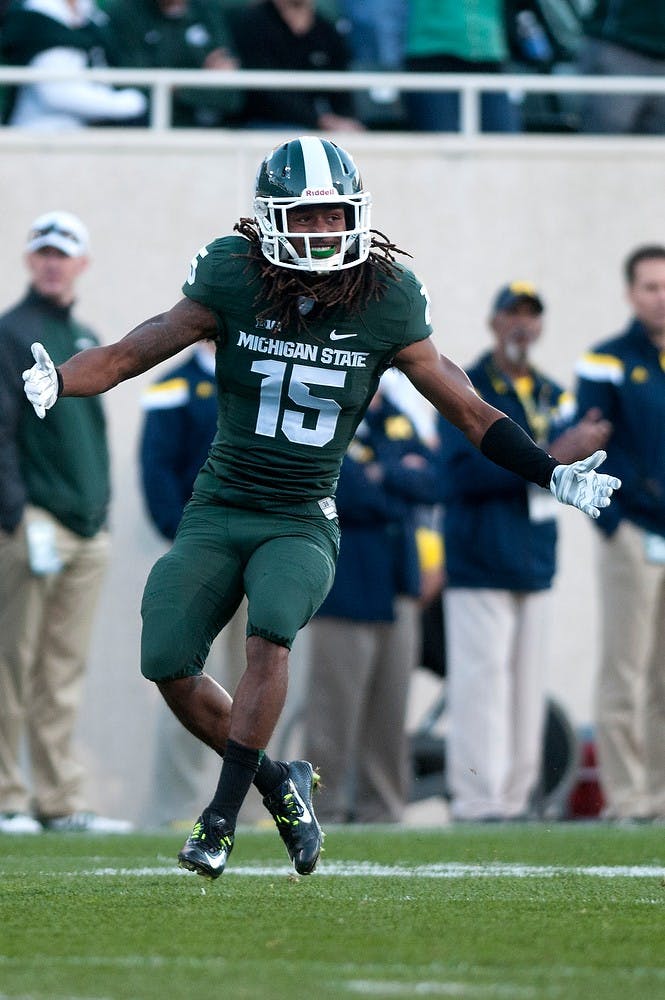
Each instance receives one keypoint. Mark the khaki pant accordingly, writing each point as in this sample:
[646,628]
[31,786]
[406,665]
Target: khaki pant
[496,661]
[630,693]
[45,625]
[355,720]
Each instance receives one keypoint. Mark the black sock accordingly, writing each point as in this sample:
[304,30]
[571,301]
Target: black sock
[270,774]
[238,772]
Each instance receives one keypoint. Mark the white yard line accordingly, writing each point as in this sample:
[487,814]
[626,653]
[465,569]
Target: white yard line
[389,988]
[449,870]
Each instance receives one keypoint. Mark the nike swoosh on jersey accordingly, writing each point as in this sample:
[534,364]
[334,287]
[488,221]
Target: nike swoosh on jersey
[341,336]
[306,814]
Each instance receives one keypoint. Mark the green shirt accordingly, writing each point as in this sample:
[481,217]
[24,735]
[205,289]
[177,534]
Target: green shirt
[469,29]
[290,401]
[61,463]
[140,35]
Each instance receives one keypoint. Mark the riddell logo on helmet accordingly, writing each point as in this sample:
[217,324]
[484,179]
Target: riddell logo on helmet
[318,192]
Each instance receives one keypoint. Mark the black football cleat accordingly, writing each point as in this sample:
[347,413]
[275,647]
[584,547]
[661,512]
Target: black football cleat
[291,807]
[208,846]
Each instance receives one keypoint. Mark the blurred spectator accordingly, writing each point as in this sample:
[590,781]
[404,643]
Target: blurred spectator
[365,638]
[177,34]
[625,377]
[377,32]
[63,35]
[625,38]
[453,37]
[500,536]
[546,36]
[398,390]
[54,544]
[291,35]
[180,419]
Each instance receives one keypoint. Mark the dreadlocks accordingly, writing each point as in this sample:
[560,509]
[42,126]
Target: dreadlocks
[352,288]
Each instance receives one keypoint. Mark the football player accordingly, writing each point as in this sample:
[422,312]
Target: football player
[308,307]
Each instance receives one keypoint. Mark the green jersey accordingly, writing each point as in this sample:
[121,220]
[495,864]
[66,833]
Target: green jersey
[290,400]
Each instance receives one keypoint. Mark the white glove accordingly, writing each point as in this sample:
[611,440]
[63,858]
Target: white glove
[41,381]
[581,487]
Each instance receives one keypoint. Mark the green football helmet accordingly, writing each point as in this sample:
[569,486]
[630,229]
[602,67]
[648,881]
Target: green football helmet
[309,171]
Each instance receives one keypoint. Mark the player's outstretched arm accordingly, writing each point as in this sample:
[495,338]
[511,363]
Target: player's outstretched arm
[499,438]
[448,388]
[100,368]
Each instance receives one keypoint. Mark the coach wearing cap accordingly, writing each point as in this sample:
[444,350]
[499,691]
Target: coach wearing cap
[54,497]
[500,536]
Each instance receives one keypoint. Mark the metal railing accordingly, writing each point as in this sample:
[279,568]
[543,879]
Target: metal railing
[162,82]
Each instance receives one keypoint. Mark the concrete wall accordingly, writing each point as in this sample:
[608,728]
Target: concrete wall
[560,211]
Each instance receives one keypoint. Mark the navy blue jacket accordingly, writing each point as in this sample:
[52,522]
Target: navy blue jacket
[179,425]
[491,539]
[625,377]
[378,557]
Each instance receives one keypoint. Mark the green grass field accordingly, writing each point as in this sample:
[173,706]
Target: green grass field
[519,912]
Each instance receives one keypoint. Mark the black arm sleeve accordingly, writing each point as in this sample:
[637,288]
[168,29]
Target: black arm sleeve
[505,443]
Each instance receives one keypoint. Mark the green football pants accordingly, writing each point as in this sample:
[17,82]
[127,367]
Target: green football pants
[284,562]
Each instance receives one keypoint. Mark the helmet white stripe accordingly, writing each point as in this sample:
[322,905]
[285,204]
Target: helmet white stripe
[317,168]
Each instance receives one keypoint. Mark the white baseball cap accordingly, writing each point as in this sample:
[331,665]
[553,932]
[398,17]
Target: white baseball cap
[61,230]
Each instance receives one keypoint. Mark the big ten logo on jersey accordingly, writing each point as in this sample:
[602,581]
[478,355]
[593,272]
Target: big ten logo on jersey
[273,325]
